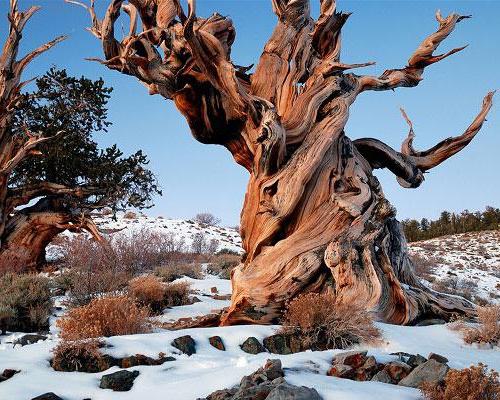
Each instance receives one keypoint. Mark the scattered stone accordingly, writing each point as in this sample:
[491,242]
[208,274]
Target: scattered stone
[185,344]
[120,381]
[140,359]
[47,396]
[431,371]
[195,299]
[214,290]
[216,341]
[252,346]
[415,360]
[354,359]
[368,369]
[277,344]
[438,357]
[221,297]
[29,338]
[382,376]
[341,371]
[397,370]
[401,354]
[7,374]
[285,391]
[267,383]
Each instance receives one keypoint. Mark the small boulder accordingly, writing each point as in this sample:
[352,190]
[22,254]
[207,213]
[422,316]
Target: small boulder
[416,360]
[341,371]
[120,381]
[354,359]
[367,370]
[7,374]
[273,369]
[216,341]
[285,391]
[382,376]
[225,394]
[397,370]
[214,290]
[29,338]
[185,344]
[438,357]
[277,344]
[195,299]
[431,371]
[47,396]
[252,346]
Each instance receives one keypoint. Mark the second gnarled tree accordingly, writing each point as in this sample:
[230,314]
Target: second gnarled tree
[314,215]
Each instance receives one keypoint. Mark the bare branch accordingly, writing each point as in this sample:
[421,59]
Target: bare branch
[411,75]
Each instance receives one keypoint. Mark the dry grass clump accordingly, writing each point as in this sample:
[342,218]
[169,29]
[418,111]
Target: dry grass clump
[177,294]
[25,302]
[474,383]
[171,272]
[80,355]
[320,322]
[488,329]
[130,215]
[222,265]
[148,291]
[109,316]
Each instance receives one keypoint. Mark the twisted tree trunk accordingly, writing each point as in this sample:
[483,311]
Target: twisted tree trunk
[314,215]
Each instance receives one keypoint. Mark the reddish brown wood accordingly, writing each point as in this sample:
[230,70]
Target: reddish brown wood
[314,214]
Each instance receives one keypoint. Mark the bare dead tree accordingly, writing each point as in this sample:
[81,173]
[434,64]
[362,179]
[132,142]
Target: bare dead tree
[314,214]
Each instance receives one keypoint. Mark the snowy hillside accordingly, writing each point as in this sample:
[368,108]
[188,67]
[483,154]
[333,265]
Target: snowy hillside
[471,261]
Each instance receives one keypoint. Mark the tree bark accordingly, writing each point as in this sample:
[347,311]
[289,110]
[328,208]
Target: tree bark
[314,217]
[31,229]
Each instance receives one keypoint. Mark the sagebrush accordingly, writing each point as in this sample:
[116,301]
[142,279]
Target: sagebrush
[473,383]
[25,302]
[488,328]
[320,322]
[79,355]
[108,316]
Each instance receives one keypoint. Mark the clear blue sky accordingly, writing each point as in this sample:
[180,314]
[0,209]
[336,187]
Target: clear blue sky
[197,177]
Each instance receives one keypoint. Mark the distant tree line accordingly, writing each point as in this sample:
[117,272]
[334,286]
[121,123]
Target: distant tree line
[451,223]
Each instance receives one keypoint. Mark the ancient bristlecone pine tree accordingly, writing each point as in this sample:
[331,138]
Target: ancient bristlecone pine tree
[314,214]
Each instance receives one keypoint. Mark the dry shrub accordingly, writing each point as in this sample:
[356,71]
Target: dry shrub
[473,383]
[177,294]
[148,291]
[25,302]
[130,215]
[320,322]
[222,264]
[109,316]
[80,355]
[171,272]
[488,329]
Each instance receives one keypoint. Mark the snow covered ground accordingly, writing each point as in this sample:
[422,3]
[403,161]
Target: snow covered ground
[471,258]
[190,377]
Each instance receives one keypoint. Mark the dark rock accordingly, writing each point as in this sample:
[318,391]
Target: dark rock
[277,344]
[195,299]
[225,394]
[415,360]
[397,370]
[382,376]
[186,344]
[260,391]
[401,354]
[273,369]
[368,369]
[432,321]
[252,346]
[214,289]
[341,371]
[29,339]
[438,357]
[354,359]
[431,371]
[216,341]
[120,381]
[47,396]
[285,391]
[7,374]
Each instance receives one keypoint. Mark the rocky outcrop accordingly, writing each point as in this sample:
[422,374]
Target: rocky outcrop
[267,383]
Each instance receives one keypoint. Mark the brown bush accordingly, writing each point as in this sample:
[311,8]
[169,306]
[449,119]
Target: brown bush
[320,322]
[25,302]
[474,383]
[171,272]
[148,291]
[221,265]
[80,355]
[488,329]
[177,294]
[109,316]
[130,215]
